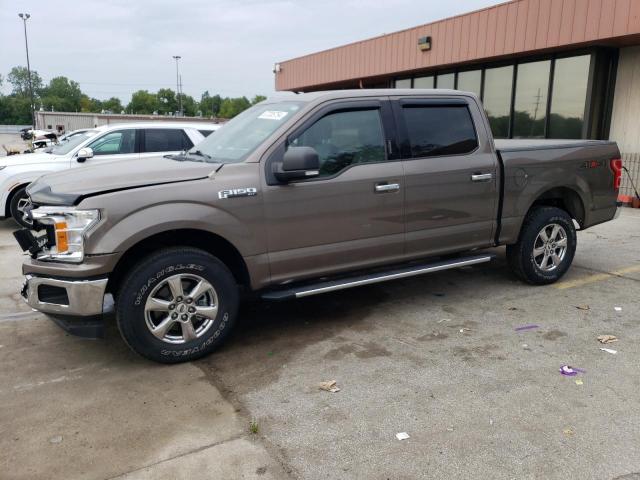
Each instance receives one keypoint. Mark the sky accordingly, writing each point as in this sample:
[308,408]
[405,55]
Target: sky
[229,47]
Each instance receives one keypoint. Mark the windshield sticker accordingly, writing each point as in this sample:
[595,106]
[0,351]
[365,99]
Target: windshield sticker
[272,115]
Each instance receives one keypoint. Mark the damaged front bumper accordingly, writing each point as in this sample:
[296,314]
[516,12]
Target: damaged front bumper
[74,304]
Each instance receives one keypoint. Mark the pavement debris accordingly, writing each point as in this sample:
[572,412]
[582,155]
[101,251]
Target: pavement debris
[56,439]
[570,371]
[617,309]
[607,338]
[402,435]
[609,350]
[329,386]
[568,432]
[527,327]
[579,381]
[583,307]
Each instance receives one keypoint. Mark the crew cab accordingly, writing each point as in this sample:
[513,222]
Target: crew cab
[299,196]
[108,143]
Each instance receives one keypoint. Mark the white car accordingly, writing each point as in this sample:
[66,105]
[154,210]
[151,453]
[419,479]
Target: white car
[109,143]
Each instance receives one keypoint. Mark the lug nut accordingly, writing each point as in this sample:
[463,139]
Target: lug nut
[184,316]
[171,306]
[178,299]
[174,315]
[192,309]
[189,300]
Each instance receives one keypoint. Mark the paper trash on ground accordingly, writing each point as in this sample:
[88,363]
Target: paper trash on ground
[329,386]
[609,350]
[402,435]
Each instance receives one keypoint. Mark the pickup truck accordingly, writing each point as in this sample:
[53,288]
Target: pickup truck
[298,196]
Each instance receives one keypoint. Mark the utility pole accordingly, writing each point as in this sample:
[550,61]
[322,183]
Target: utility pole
[25,17]
[176,58]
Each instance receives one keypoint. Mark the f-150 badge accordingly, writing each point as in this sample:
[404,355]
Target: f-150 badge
[238,192]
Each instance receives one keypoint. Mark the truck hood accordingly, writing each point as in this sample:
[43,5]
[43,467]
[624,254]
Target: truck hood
[69,187]
[30,158]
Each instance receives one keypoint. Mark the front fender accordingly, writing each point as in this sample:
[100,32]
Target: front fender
[113,236]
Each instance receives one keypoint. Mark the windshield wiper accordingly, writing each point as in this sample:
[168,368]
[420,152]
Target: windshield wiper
[198,153]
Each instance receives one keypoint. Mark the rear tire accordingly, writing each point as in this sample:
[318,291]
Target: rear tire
[16,207]
[177,305]
[546,246]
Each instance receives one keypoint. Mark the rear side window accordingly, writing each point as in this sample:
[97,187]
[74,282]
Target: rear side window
[166,140]
[436,130]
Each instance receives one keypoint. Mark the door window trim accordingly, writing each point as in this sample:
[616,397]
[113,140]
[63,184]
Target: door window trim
[403,134]
[387,122]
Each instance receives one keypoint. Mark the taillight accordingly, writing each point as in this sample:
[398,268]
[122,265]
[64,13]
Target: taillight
[616,167]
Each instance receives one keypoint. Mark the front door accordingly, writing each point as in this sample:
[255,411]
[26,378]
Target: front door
[350,215]
[450,174]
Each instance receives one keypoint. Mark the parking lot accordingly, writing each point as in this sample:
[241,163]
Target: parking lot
[437,357]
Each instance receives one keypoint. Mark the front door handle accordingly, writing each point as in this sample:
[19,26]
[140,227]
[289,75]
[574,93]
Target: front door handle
[482,177]
[387,187]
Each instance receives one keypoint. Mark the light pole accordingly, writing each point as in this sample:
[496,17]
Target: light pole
[176,58]
[25,17]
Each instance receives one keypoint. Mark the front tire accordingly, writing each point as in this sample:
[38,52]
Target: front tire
[546,246]
[19,201]
[177,305]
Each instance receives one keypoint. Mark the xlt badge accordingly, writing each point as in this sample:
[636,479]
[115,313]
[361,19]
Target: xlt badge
[238,192]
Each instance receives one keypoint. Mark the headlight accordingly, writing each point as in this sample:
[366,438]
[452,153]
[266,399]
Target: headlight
[70,226]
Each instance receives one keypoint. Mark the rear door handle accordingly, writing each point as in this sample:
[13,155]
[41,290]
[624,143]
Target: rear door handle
[481,177]
[387,187]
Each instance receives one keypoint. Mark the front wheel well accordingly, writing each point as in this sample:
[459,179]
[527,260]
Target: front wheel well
[207,241]
[564,198]
[14,190]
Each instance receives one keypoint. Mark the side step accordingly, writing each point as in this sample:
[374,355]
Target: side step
[357,281]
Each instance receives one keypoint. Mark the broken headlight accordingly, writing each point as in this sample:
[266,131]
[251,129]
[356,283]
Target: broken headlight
[69,226]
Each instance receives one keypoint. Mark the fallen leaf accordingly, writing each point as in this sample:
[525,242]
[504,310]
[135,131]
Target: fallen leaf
[329,386]
[607,338]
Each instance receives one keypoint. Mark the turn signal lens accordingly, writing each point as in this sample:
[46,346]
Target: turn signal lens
[62,240]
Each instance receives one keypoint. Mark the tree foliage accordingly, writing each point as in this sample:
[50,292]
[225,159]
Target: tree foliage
[64,94]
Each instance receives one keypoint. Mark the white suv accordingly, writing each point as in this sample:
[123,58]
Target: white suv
[109,143]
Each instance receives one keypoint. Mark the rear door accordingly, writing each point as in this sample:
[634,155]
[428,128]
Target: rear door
[351,215]
[116,145]
[163,141]
[451,190]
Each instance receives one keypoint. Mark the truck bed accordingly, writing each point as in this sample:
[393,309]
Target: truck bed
[578,171]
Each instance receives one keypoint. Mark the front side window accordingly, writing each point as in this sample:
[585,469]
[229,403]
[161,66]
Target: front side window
[343,139]
[436,130]
[114,143]
[166,140]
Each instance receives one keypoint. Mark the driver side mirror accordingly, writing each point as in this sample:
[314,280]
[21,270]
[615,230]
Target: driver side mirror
[299,163]
[83,154]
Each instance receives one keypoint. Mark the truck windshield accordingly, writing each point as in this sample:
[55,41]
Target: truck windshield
[68,145]
[238,138]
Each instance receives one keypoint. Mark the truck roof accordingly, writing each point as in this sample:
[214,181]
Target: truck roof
[367,92]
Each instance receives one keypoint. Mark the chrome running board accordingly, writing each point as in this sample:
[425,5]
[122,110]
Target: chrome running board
[332,285]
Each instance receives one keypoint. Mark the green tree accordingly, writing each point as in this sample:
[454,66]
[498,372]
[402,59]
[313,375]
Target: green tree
[210,105]
[19,79]
[167,102]
[233,106]
[113,105]
[62,94]
[189,105]
[143,102]
[258,99]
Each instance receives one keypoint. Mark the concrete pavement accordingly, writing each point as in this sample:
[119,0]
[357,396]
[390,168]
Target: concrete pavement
[437,357]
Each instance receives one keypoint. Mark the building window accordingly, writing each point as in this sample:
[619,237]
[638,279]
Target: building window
[497,99]
[570,83]
[530,111]
[446,81]
[403,83]
[423,82]
[470,81]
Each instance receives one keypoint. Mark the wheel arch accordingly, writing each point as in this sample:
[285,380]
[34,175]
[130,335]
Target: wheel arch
[12,192]
[565,198]
[210,242]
